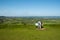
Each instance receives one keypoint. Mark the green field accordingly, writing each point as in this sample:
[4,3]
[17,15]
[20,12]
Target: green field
[25,31]
[30,34]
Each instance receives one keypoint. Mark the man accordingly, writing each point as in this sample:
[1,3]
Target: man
[39,24]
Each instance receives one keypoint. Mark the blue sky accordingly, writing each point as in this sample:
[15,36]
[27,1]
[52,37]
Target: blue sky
[29,7]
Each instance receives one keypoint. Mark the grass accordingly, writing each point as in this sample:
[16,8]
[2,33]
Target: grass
[50,33]
[29,32]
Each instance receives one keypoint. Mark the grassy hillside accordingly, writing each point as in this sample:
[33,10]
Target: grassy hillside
[24,29]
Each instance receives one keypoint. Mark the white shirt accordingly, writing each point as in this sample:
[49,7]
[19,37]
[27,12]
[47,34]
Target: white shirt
[39,22]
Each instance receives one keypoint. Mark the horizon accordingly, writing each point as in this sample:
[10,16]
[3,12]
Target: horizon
[29,7]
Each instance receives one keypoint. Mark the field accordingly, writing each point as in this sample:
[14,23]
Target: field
[24,29]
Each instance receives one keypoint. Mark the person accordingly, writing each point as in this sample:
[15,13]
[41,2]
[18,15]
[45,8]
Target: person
[42,25]
[39,24]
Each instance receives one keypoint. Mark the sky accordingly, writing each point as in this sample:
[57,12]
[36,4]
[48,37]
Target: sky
[29,7]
